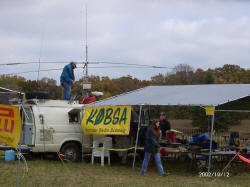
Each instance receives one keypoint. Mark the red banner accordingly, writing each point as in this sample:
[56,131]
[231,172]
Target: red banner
[10,125]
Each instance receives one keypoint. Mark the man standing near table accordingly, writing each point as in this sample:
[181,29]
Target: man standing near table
[164,124]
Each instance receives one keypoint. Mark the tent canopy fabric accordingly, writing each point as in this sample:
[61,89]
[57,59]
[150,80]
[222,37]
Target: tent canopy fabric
[239,104]
[189,95]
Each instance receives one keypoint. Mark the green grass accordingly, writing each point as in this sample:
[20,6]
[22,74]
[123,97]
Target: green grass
[54,173]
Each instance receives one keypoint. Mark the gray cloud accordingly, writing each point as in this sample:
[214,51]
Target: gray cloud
[204,34]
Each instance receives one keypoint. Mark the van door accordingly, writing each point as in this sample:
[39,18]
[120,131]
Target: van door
[28,126]
[75,117]
[75,120]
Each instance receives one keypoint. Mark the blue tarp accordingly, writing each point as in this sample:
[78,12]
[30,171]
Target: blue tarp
[203,140]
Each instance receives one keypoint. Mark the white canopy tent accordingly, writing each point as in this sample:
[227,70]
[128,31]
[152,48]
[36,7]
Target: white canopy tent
[191,95]
[223,97]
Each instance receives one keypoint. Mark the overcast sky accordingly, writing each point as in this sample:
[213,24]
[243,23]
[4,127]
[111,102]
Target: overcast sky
[202,33]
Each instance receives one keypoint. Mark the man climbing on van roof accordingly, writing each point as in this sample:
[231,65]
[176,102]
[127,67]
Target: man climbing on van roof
[67,78]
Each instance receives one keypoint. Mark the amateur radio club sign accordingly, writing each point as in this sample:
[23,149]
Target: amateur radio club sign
[106,120]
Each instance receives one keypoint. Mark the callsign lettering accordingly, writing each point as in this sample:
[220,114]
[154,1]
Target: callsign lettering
[108,116]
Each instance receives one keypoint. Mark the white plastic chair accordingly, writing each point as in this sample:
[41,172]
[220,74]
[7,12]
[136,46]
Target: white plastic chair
[102,152]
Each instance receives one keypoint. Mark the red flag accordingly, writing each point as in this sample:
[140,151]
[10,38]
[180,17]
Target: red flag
[243,158]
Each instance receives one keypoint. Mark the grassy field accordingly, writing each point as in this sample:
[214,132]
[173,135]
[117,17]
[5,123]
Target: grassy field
[52,172]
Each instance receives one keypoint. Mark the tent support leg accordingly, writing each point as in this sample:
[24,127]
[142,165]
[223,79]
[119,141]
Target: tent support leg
[139,124]
[82,133]
[18,166]
[19,147]
[211,140]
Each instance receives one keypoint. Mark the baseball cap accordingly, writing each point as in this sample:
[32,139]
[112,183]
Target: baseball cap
[74,64]
[163,114]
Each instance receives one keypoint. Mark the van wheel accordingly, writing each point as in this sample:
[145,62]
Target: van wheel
[71,152]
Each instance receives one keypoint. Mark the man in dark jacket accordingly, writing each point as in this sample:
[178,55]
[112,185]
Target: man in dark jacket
[67,78]
[164,124]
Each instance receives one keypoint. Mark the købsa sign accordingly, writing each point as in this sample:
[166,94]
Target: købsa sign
[107,120]
[10,125]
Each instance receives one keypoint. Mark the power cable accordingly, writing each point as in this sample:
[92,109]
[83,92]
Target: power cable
[34,71]
[129,64]
[56,62]
[101,67]
[22,63]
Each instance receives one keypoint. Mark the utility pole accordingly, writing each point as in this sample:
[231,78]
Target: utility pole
[86,85]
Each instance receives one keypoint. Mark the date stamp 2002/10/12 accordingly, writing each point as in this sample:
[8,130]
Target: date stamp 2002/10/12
[214,174]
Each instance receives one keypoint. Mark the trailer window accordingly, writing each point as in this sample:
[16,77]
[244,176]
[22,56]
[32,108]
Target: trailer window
[145,117]
[134,116]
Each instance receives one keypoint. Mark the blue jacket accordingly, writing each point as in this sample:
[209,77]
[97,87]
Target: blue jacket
[67,74]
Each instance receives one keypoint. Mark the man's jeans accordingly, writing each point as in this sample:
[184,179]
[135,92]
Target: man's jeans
[67,90]
[157,161]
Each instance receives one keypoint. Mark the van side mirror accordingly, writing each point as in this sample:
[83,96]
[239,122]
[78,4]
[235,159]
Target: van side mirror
[41,117]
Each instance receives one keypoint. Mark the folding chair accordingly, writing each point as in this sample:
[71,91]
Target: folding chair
[106,143]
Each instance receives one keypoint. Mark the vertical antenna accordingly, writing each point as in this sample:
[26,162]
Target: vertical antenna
[86,85]
[39,60]
[86,36]
[38,71]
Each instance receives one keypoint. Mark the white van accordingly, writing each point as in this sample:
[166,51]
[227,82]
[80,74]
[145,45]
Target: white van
[53,126]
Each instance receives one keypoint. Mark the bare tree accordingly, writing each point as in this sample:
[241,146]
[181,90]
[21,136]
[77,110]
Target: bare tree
[185,73]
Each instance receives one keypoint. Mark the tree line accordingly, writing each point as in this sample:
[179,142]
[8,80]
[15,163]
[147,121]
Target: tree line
[182,74]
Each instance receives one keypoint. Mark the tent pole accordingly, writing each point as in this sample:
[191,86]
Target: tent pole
[19,148]
[211,140]
[82,131]
[139,124]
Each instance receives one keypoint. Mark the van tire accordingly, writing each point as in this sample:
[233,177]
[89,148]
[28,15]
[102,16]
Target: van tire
[71,152]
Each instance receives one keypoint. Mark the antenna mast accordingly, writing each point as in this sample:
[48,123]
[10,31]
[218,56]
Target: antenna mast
[86,36]
[86,85]
[39,60]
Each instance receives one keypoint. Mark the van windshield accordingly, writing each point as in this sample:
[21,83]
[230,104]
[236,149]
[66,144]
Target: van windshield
[28,117]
